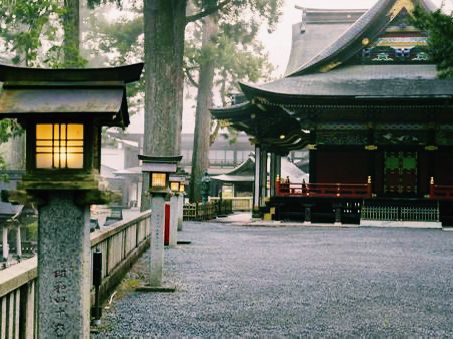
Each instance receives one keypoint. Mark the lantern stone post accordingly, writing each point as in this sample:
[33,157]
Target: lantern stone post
[63,112]
[180,210]
[159,169]
[177,182]
[5,245]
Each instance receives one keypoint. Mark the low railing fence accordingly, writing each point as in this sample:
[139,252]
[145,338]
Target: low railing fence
[441,192]
[327,190]
[401,213]
[120,245]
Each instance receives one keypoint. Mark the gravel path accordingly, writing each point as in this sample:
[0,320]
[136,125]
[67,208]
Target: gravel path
[241,281]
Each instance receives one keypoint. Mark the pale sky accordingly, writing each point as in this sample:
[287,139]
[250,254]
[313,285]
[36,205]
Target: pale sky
[278,45]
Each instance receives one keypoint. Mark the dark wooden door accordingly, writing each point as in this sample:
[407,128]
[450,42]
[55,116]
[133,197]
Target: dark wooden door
[400,173]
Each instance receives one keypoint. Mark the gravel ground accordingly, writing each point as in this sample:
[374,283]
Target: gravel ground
[328,282]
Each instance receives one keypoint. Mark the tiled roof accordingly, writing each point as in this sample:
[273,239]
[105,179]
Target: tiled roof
[368,25]
[362,80]
[318,30]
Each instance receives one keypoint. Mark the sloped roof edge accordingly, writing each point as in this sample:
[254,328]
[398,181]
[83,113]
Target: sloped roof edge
[368,25]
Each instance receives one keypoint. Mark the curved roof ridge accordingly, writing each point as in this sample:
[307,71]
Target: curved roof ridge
[375,16]
[348,36]
[329,10]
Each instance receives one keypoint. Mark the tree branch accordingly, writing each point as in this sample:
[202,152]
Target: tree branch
[207,11]
[190,78]
[214,133]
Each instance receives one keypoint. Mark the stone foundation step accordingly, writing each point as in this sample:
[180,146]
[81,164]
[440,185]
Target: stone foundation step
[405,224]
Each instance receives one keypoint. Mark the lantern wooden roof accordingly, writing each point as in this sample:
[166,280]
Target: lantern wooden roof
[166,164]
[82,93]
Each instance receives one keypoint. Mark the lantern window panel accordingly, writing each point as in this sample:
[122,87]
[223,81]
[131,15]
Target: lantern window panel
[174,186]
[59,145]
[159,180]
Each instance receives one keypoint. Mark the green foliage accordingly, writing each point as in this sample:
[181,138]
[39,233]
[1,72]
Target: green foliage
[24,25]
[32,231]
[268,10]
[31,33]
[9,128]
[237,53]
[440,43]
[122,41]
[94,3]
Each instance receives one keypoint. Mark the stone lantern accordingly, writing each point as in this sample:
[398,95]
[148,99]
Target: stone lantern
[159,170]
[62,112]
[177,185]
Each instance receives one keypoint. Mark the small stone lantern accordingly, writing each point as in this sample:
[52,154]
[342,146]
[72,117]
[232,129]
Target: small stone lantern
[177,182]
[62,112]
[159,170]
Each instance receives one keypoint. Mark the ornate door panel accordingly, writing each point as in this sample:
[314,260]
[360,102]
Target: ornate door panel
[400,173]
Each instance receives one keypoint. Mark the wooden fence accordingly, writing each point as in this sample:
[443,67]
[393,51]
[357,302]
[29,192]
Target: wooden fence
[121,245]
[208,211]
[238,203]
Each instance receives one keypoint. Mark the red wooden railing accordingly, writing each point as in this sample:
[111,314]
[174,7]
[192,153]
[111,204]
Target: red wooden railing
[338,190]
[440,192]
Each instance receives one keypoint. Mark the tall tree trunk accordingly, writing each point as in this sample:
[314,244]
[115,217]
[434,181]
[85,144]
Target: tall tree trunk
[164,25]
[180,27]
[71,26]
[200,160]
[15,153]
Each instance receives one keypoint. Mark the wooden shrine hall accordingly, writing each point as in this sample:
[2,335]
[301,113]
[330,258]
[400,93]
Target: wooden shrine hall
[361,94]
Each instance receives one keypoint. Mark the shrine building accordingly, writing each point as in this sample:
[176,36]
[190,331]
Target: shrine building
[362,95]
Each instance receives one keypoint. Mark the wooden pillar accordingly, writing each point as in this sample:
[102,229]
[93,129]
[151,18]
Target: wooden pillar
[337,209]
[273,174]
[256,184]
[432,151]
[372,149]
[372,167]
[263,177]
[313,155]
[312,165]
[307,218]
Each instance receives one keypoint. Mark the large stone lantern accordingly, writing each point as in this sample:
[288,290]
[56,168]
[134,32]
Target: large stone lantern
[63,112]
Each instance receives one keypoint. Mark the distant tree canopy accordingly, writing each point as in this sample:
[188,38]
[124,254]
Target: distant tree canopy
[24,25]
[36,33]
[440,42]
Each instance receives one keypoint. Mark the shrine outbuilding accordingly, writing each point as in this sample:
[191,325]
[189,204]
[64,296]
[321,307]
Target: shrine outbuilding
[362,95]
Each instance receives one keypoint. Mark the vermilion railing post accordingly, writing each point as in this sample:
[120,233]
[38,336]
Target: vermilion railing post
[431,188]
